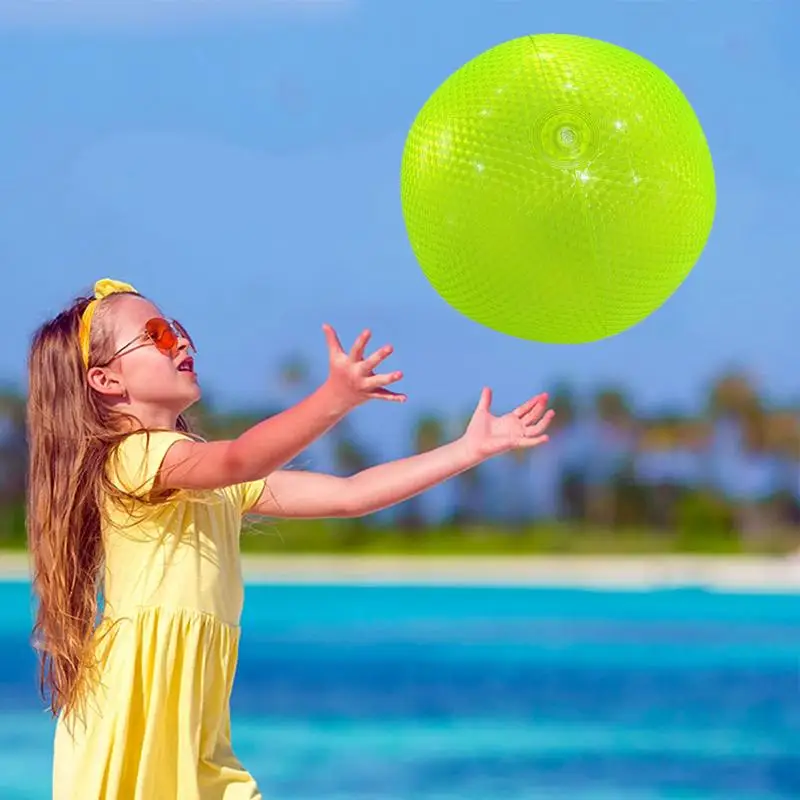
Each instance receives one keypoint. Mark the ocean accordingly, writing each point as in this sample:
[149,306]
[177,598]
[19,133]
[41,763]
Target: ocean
[448,693]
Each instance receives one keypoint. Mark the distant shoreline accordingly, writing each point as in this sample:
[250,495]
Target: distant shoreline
[728,573]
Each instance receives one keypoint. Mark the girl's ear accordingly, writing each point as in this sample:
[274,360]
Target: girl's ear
[106,382]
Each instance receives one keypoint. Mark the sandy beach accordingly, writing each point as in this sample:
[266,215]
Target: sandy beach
[595,572]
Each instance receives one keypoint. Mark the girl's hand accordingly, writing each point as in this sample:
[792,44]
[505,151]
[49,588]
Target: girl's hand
[525,426]
[352,378]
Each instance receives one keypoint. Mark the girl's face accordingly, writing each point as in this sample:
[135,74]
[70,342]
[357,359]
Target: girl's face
[153,385]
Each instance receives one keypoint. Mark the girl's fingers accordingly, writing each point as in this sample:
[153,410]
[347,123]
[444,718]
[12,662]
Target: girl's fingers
[376,381]
[485,400]
[334,345]
[386,394]
[528,405]
[541,425]
[377,357]
[357,350]
[534,413]
[534,442]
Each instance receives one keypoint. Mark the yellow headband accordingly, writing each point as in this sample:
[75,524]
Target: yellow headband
[103,288]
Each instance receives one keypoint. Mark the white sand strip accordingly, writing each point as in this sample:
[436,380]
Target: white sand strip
[737,573]
[14,566]
[633,572]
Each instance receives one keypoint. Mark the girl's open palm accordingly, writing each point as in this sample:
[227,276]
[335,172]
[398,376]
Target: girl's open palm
[525,426]
[352,376]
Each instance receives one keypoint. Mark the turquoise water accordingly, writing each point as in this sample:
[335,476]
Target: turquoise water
[411,693]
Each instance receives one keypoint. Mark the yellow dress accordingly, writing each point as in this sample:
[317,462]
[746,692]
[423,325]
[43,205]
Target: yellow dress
[157,723]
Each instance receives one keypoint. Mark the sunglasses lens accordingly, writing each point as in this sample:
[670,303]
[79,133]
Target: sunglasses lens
[162,335]
[184,334]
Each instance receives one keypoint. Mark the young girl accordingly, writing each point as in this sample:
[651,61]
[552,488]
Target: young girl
[126,505]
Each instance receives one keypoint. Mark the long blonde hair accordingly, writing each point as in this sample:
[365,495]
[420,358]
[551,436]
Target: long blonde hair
[71,434]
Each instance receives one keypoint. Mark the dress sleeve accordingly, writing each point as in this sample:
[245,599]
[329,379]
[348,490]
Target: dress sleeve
[248,494]
[136,461]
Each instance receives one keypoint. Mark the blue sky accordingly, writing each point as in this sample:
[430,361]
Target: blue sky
[238,161]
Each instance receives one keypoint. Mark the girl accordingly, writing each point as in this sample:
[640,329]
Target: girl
[124,504]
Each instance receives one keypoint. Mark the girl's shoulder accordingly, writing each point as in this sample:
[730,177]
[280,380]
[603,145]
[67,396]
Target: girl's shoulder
[135,461]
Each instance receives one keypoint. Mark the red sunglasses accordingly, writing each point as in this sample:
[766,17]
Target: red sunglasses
[163,333]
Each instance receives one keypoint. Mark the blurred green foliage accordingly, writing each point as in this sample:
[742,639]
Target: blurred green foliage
[602,503]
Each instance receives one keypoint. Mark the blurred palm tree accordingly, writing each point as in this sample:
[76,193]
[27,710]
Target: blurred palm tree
[613,407]
[214,424]
[610,497]
[13,446]
[562,401]
[428,433]
[783,441]
[572,481]
[470,488]
[349,454]
[733,395]
[782,434]
[295,373]
[13,462]
[733,399]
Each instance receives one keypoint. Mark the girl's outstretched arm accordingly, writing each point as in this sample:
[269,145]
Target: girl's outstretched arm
[313,495]
[272,443]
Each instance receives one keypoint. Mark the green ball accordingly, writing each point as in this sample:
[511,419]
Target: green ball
[557,189]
